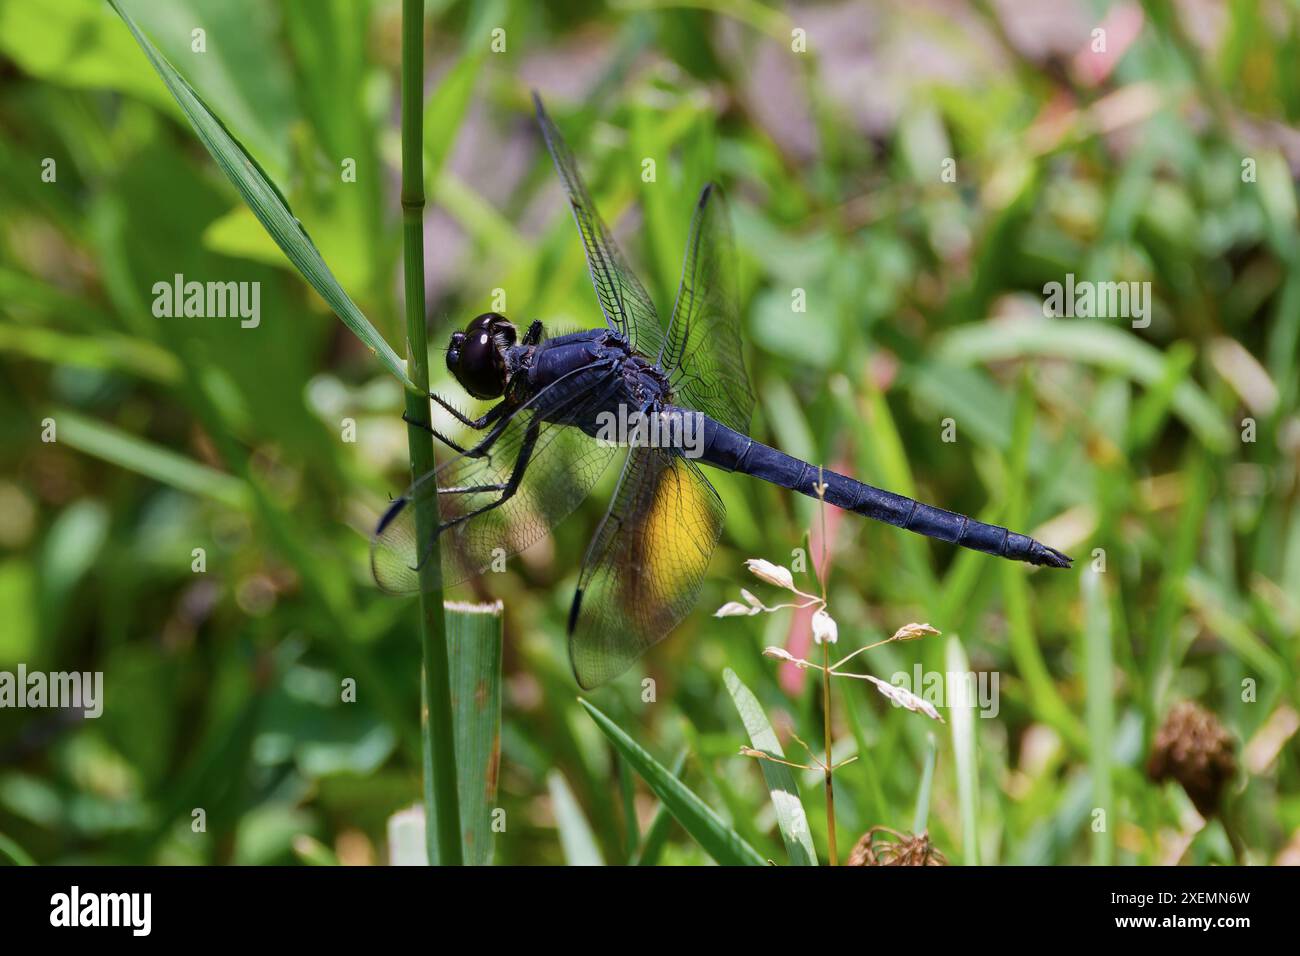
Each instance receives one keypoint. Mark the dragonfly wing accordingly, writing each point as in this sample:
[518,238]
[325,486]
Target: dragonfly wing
[645,564]
[563,463]
[628,308]
[702,352]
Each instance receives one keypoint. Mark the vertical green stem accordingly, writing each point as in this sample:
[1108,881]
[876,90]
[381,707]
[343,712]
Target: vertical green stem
[441,810]
[830,785]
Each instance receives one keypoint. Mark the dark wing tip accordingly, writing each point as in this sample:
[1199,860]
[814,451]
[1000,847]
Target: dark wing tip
[574,608]
[393,511]
[705,193]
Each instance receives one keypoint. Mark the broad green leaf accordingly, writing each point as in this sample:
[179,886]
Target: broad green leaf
[790,815]
[474,650]
[718,840]
[267,203]
[576,838]
[74,43]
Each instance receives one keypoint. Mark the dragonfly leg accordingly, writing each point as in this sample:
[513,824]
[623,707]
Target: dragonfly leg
[478,424]
[477,451]
[510,486]
[472,489]
[534,333]
[435,433]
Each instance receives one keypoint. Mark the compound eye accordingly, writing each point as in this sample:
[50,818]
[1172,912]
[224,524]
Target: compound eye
[475,360]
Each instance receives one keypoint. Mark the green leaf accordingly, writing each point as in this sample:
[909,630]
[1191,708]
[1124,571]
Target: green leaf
[921,818]
[656,836]
[311,852]
[790,815]
[963,745]
[718,840]
[1046,698]
[1092,342]
[267,203]
[102,351]
[70,43]
[474,649]
[15,853]
[1099,666]
[406,838]
[161,464]
[576,838]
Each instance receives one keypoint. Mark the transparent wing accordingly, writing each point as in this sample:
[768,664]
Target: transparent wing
[702,352]
[645,564]
[562,465]
[628,309]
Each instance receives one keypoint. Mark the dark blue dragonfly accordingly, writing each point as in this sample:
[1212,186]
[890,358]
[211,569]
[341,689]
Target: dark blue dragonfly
[665,400]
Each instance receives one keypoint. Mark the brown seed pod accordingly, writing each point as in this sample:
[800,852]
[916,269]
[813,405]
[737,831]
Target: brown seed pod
[883,846]
[1193,748]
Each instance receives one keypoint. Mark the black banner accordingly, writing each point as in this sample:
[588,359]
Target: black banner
[334,905]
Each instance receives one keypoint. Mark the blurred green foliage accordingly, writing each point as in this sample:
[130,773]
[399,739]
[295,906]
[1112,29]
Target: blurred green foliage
[1170,158]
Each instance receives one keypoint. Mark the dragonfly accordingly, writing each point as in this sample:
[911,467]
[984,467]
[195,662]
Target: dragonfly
[660,400]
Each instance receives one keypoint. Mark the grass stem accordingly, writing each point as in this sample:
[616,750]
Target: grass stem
[830,770]
[438,750]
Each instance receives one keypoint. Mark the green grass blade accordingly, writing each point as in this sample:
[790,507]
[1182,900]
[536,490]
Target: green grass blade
[720,841]
[1047,700]
[161,464]
[631,831]
[406,841]
[14,853]
[921,818]
[1163,653]
[474,648]
[962,715]
[576,838]
[266,202]
[437,737]
[1099,668]
[104,351]
[1094,343]
[311,852]
[790,815]
[656,835]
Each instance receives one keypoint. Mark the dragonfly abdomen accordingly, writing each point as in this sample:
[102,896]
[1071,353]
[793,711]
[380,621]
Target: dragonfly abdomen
[730,450]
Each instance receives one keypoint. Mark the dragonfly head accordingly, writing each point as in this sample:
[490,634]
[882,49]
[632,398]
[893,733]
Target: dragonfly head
[477,356]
